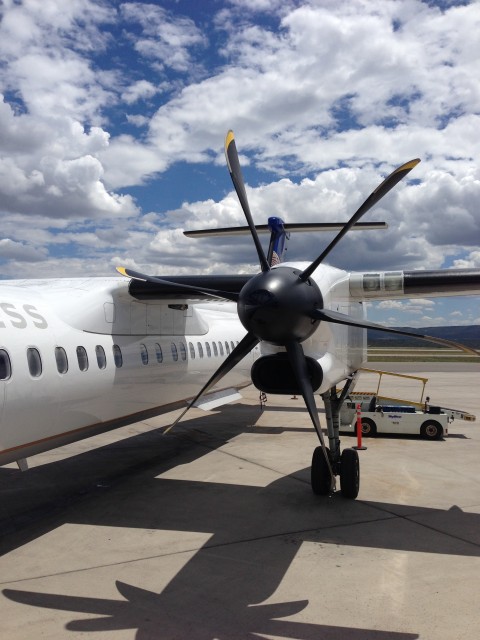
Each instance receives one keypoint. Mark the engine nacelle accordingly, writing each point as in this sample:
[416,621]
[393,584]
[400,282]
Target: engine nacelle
[274,374]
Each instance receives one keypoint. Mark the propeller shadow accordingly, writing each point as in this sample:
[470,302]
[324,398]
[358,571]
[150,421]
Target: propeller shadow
[155,615]
[255,533]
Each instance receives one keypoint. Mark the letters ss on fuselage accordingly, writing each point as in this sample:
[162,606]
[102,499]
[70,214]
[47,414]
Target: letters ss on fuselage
[27,316]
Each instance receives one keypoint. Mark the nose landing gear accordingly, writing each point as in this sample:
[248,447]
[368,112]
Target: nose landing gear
[345,464]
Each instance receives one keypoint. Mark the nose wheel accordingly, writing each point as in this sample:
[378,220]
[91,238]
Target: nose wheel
[348,469]
[349,473]
[320,472]
[329,462]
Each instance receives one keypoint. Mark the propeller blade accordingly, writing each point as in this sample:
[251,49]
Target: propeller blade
[382,189]
[213,293]
[233,164]
[340,318]
[241,350]
[299,365]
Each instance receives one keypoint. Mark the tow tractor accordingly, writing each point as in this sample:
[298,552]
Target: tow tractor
[383,414]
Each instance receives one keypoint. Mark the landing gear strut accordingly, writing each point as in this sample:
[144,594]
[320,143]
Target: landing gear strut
[344,464]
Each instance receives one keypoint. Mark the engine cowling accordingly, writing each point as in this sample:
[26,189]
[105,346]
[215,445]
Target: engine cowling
[274,374]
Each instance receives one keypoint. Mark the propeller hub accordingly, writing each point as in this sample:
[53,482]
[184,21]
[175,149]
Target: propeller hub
[277,306]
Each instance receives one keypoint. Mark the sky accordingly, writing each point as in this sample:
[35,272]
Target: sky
[113,117]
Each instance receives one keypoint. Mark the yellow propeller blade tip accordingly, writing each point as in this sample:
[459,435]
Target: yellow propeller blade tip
[123,271]
[229,138]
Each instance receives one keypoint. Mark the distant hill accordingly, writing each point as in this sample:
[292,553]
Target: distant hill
[467,335]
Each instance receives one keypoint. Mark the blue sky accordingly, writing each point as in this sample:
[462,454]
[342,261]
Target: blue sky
[114,113]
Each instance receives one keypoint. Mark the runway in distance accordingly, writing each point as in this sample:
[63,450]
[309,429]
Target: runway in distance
[82,356]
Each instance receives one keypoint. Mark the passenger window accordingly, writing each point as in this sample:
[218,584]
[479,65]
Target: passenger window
[34,362]
[174,352]
[117,356]
[209,351]
[82,358]
[192,350]
[183,351]
[101,357]
[215,350]
[61,359]
[220,346]
[232,345]
[144,354]
[200,349]
[158,353]
[5,365]
[227,347]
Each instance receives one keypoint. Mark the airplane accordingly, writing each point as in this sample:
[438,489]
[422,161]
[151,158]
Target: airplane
[81,356]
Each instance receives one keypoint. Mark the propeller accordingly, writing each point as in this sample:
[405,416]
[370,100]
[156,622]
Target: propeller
[284,305]
[300,370]
[382,189]
[242,349]
[233,164]
[212,293]
[340,318]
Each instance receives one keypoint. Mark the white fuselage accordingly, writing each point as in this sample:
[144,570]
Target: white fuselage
[144,356]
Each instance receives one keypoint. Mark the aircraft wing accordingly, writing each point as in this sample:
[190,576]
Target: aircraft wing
[152,290]
[410,284]
[382,285]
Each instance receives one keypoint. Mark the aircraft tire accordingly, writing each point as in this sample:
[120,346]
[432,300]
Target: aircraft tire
[319,473]
[349,474]
[431,430]
[369,428]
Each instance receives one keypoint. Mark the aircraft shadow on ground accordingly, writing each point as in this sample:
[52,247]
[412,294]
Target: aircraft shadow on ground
[255,534]
[162,616]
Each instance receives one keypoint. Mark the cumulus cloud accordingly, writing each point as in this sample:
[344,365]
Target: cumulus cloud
[165,38]
[11,250]
[49,165]
[101,98]
[472,261]
[139,90]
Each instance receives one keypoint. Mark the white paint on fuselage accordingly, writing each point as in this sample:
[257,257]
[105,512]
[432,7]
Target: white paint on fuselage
[91,312]
[43,408]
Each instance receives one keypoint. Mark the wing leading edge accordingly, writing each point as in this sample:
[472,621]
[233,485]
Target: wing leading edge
[409,284]
[366,285]
[152,290]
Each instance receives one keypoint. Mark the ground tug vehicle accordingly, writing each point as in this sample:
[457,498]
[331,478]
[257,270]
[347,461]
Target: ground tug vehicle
[383,414]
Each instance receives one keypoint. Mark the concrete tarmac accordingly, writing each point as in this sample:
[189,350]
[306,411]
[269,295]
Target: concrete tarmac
[212,531]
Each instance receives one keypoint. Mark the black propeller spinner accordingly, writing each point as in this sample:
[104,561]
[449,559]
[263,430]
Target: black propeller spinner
[278,307]
[284,305]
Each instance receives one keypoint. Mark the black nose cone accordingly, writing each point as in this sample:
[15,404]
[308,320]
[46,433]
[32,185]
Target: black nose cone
[276,306]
